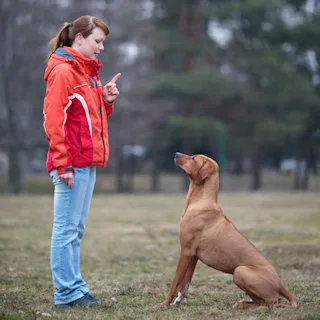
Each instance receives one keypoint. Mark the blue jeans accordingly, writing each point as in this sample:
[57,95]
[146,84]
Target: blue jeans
[71,209]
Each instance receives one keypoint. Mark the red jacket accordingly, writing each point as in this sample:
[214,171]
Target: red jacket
[75,114]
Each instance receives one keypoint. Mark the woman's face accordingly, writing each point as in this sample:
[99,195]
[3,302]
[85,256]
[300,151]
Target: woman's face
[92,45]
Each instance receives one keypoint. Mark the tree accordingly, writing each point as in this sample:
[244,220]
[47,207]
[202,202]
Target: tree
[273,105]
[304,45]
[21,62]
[186,73]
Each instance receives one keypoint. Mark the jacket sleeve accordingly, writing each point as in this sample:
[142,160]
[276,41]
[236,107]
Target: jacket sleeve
[109,107]
[56,102]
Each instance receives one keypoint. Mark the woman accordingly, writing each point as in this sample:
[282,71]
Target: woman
[76,109]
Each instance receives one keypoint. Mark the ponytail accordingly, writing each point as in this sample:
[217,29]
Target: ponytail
[64,37]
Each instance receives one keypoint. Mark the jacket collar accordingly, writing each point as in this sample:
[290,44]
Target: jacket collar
[73,56]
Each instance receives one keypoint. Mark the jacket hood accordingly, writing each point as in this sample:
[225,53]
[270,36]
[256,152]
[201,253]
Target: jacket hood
[73,57]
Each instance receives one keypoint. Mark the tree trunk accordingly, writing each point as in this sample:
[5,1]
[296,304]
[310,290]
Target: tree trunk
[15,171]
[300,175]
[310,163]
[155,128]
[130,166]
[256,171]
[185,26]
[155,173]
[119,170]
[222,158]
[14,147]
[7,101]
[305,178]
[297,174]
[304,163]
[187,150]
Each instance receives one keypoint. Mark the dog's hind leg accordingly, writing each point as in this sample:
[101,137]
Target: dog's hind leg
[243,304]
[183,287]
[263,286]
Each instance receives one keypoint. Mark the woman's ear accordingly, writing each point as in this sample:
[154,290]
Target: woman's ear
[78,39]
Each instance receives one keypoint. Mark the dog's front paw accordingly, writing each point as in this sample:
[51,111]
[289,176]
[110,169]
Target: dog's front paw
[165,303]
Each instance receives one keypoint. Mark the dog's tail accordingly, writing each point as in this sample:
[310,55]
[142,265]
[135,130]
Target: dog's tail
[292,300]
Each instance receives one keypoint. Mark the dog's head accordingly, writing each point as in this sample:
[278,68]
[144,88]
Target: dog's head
[198,167]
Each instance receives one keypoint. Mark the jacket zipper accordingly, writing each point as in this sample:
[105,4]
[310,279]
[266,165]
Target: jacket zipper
[103,142]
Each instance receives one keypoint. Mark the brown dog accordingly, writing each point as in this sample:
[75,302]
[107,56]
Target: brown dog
[206,234]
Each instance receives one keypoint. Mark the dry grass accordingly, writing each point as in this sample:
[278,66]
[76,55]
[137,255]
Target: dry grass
[130,249]
[168,183]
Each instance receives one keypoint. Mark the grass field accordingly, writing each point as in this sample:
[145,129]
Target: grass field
[130,249]
[168,183]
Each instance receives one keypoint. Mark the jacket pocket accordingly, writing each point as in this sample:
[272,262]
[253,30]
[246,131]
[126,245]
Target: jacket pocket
[86,146]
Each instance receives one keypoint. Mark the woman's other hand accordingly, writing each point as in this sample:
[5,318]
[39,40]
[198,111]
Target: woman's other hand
[67,178]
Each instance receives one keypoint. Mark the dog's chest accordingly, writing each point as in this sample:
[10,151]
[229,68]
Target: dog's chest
[191,226]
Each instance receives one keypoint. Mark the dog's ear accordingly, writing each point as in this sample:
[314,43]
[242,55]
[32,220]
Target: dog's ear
[204,172]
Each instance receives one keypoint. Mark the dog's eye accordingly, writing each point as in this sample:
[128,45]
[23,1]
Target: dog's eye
[193,158]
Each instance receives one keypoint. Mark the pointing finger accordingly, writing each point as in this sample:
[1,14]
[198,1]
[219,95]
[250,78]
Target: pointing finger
[115,78]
